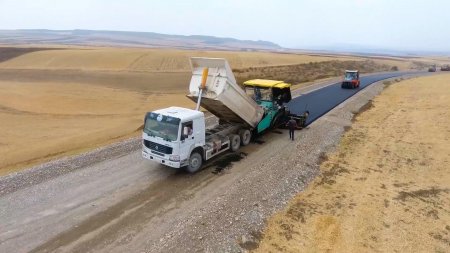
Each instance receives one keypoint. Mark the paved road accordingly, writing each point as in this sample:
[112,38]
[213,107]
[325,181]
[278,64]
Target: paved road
[321,101]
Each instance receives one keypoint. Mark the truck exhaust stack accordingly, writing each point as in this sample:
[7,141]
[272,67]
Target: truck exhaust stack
[202,87]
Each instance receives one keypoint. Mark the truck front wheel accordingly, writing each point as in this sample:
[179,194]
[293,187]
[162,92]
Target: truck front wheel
[195,162]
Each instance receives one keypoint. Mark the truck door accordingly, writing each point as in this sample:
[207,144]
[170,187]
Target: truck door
[187,139]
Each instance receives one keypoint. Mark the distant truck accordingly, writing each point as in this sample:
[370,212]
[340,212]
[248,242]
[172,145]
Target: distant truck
[178,137]
[445,68]
[351,79]
[432,68]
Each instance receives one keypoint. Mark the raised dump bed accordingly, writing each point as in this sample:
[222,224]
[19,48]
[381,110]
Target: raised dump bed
[222,96]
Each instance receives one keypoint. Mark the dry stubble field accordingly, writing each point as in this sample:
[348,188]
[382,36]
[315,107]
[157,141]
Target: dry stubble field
[386,188]
[63,101]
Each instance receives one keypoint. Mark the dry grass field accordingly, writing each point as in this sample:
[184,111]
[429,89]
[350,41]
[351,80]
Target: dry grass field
[386,188]
[60,101]
[149,60]
[300,74]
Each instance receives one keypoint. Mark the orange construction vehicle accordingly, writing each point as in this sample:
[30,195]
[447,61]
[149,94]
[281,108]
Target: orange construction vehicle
[351,79]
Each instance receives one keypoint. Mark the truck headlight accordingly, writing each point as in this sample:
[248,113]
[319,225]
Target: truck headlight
[174,158]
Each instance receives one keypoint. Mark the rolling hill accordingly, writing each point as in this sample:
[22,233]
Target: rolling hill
[132,39]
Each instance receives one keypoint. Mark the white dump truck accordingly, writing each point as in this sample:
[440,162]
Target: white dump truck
[178,137]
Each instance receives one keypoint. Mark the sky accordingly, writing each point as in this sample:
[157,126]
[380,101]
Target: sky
[413,25]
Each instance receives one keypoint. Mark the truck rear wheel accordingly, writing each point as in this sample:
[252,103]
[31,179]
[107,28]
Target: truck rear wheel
[235,142]
[246,136]
[195,162]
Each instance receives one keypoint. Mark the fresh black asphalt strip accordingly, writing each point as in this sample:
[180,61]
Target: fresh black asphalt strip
[321,101]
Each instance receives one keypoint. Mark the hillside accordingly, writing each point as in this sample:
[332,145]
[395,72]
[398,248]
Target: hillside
[133,39]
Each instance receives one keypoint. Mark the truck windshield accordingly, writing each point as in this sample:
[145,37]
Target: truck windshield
[162,126]
[350,76]
[258,93]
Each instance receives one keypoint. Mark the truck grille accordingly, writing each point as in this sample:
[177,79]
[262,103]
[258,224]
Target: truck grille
[158,147]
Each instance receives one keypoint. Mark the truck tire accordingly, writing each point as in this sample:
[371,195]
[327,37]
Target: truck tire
[195,162]
[246,136]
[235,142]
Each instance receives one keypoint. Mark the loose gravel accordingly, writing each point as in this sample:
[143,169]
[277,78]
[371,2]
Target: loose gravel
[46,171]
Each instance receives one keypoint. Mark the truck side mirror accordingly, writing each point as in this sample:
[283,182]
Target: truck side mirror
[185,133]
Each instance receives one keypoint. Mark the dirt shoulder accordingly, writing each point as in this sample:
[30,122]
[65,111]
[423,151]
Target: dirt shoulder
[386,187]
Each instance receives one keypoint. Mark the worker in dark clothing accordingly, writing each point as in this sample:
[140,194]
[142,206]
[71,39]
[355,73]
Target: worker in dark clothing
[292,124]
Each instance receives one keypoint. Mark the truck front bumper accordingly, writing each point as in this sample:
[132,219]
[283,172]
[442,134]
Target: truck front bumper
[347,85]
[160,160]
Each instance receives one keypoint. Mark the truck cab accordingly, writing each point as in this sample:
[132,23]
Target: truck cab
[171,134]
[270,95]
[351,79]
